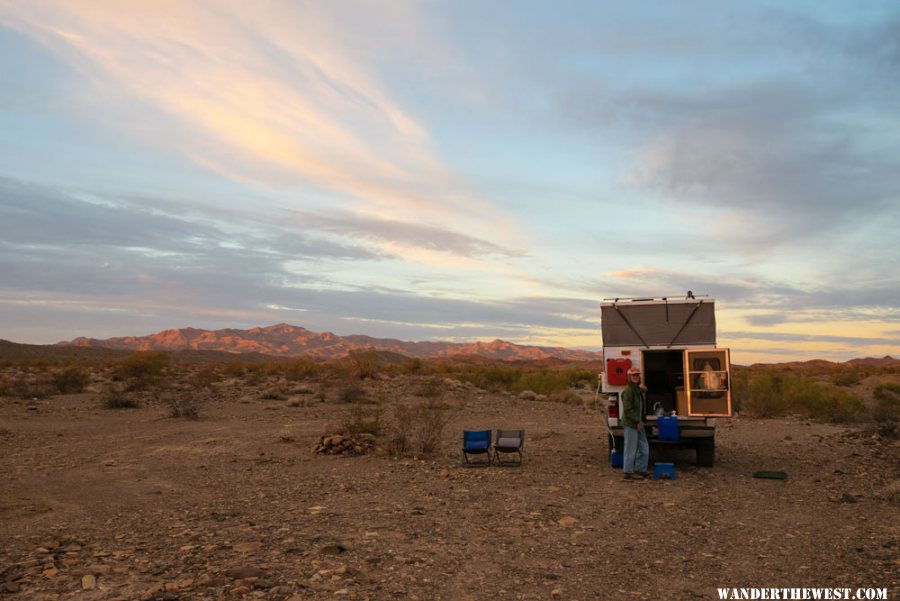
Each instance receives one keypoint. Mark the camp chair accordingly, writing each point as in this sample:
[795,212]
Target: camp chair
[476,442]
[509,441]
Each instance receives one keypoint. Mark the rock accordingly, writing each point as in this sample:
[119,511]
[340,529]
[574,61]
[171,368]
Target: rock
[333,549]
[848,498]
[567,521]
[245,572]
[557,592]
[247,547]
[239,591]
[88,582]
[445,473]
[50,573]
[528,395]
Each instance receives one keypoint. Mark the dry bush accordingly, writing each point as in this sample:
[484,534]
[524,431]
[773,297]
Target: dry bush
[430,388]
[207,375]
[887,408]
[352,392]
[363,420]
[234,368]
[180,406]
[303,369]
[71,380]
[39,386]
[417,429]
[365,363]
[115,397]
[142,369]
[278,392]
[567,397]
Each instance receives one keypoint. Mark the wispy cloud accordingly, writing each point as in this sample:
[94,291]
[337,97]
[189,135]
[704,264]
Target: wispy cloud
[267,96]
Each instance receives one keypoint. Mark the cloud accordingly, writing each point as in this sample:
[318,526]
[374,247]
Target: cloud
[277,97]
[811,338]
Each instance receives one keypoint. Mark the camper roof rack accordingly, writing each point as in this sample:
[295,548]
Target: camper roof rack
[688,296]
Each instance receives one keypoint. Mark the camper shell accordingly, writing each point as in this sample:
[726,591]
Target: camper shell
[673,343]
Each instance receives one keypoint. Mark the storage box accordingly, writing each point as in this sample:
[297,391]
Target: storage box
[668,427]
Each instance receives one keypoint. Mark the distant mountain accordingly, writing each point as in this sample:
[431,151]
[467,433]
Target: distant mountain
[283,340]
[886,361]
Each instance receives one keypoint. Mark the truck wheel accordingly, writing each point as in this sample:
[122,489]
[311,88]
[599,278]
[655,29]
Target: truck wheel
[706,453]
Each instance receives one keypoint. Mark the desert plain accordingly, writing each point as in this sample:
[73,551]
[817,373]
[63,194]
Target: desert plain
[232,502]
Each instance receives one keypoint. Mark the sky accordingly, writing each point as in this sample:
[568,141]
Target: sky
[459,171]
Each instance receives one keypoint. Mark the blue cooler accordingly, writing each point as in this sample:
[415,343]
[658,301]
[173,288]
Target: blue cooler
[668,427]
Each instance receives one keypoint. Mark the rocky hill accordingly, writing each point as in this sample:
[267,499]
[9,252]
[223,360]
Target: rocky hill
[284,340]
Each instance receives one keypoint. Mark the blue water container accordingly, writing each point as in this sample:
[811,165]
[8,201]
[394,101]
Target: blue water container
[668,427]
[615,458]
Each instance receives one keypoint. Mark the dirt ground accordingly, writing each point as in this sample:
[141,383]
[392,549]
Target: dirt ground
[134,504]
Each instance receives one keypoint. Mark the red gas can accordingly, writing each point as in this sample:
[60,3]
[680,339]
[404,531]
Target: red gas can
[617,371]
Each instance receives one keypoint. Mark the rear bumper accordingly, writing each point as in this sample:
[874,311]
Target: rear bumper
[685,431]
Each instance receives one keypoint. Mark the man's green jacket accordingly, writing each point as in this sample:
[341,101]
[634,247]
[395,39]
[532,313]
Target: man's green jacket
[632,406]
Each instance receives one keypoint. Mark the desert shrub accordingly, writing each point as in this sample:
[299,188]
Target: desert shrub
[302,369]
[417,429]
[206,376]
[568,397]
[115,397]
[180,406]
[400,434]
[365,363]
[38,386]
[887,407]
[144,363]
[275,393]
[71,380]
[363,420]
[430,388]
[143,368]
[520,379]
[848,376]
[770,392]
[6,388]
[234,368]
[352,392]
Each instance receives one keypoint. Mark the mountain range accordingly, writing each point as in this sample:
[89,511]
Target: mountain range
[284,340]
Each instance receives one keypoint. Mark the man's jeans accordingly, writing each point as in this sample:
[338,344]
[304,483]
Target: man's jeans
[637,451]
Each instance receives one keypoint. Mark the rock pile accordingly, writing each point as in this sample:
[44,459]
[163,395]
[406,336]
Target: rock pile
[339,444]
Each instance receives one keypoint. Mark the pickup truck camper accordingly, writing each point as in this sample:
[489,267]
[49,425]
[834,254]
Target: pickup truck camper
[673,343]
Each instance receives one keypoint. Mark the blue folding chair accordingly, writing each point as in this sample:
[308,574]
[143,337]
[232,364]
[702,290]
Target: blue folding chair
[476,442]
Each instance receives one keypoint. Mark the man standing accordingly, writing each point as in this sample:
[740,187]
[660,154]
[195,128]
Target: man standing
[637,449]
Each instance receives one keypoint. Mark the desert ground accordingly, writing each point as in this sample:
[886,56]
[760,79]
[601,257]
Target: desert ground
[101,503]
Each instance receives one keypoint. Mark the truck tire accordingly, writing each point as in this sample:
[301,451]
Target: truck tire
[706,453]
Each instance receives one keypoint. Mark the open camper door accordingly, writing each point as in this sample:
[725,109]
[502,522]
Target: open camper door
[708,382]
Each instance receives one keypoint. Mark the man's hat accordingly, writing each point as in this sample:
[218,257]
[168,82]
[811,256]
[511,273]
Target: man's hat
[634,370]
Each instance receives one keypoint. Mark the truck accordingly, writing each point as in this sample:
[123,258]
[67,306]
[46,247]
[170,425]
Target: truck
[672,341]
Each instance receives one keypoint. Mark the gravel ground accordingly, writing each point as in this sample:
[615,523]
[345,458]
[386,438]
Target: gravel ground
[133,504]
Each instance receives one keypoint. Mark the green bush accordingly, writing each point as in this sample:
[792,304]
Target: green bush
[848,376]
[144,365]
[773,392]
[71,380]
[887,406]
